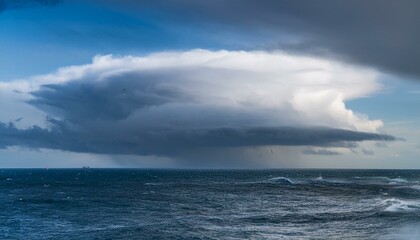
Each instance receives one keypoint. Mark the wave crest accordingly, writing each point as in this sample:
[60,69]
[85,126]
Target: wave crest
[398,205]
[283,180]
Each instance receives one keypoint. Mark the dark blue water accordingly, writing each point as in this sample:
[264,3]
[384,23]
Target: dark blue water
[193,204]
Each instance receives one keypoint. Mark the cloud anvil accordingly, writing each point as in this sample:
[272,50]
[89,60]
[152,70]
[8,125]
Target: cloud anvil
[171,102]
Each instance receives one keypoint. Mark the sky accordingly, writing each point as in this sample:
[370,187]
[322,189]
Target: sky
[209,84]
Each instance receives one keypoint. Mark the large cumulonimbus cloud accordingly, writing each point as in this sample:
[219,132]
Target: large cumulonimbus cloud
[380,33]
[168,103]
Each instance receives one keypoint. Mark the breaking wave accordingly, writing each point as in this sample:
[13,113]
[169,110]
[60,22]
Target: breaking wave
[283,180]
[398,205]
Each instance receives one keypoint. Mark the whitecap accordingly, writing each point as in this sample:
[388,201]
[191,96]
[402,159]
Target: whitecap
[280,180]
[320,179]
[397,181]
[398,205]
[386,180]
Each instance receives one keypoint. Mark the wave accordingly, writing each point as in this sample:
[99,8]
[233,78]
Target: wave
[415,187]
[152,184]
[320,179]
[377,180]
[283,180]
[397,180]
[385,180]
[398,205]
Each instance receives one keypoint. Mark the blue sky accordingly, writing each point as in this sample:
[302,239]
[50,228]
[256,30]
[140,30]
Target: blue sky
[73,32]
[193,84]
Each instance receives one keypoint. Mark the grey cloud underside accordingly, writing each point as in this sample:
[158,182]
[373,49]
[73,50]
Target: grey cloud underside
[325,152]
[380,33]
[18,4]
[111,99]
[171,142]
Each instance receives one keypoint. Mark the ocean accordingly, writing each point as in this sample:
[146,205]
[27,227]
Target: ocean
[209,204]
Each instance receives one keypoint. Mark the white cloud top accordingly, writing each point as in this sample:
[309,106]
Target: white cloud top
[214,88]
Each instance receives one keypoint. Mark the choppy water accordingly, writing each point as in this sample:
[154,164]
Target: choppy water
[194,204]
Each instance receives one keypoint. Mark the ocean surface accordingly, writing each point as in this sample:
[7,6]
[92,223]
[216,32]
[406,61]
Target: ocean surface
[209,204]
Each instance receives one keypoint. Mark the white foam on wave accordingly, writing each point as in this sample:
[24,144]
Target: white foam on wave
[280,180]
[386,180]
[398,205]
[397,180]
[331,180]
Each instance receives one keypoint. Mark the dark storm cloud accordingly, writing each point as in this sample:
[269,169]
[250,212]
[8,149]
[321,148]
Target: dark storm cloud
[114,98]
[171,142]
[380,33]
[17,4]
